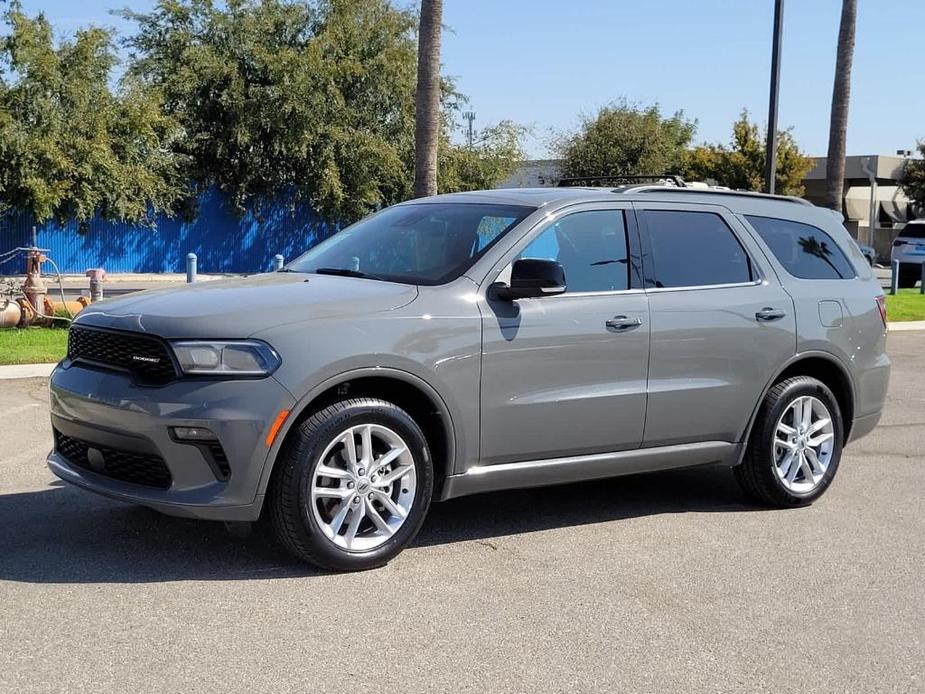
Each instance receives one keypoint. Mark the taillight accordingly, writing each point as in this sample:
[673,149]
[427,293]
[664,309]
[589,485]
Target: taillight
[881,304]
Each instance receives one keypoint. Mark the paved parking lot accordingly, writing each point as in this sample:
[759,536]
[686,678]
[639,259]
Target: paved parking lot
[659,583]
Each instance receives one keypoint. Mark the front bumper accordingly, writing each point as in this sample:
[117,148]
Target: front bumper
[106,411]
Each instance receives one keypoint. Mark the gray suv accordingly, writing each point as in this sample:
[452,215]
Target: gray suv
[482,341]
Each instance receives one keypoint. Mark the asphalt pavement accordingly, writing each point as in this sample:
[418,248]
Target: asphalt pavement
[669,582]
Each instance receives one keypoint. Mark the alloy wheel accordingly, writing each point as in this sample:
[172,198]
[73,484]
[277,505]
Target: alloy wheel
[363,487]
[804,442]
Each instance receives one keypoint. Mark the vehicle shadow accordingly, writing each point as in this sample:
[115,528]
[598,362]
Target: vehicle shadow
[64,535]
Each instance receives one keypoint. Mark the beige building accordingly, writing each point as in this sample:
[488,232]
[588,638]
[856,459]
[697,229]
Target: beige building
[871,192]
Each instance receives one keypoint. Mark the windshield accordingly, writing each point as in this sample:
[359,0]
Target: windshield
[422,243]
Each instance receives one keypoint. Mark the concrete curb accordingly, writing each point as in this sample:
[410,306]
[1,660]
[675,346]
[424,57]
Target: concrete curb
[25,371]
[906,325]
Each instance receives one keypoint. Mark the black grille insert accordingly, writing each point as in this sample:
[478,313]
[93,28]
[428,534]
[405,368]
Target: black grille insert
[127,466]
[145,356]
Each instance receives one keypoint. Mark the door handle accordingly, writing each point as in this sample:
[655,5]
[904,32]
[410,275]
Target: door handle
[769,314]
[623,323]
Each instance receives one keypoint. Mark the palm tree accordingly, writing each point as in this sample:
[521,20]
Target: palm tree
[427,99]
[841,91]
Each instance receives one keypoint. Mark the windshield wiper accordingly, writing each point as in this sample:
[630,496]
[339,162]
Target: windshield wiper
[344,272]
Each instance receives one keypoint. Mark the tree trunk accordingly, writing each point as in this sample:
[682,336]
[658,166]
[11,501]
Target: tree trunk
[841,91]
[427,99]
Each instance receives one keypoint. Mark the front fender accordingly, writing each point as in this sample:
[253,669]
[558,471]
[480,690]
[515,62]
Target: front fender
[303,407]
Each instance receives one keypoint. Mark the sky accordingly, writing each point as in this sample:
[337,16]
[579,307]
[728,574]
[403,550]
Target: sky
[544,63]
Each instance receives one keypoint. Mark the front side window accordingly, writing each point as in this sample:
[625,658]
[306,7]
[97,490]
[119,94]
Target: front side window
[693,249]
[805,251]
[423,243]
[590,246]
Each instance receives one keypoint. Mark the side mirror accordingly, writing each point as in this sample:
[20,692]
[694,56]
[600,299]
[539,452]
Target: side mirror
[532,277]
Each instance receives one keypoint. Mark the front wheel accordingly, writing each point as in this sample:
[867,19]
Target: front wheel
[353,485]
[795,445]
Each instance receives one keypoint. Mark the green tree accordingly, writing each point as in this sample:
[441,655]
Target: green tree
[310,100]
[69,146]
[913,179]
[741,165]
[625,139]
[495,153]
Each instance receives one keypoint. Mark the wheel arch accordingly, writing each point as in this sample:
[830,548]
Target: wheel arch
[824,367]
[406,390]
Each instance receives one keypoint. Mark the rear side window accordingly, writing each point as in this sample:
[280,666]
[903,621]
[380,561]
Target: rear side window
[693,249]
[805,251]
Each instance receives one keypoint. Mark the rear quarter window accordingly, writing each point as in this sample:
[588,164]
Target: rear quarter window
[805,251]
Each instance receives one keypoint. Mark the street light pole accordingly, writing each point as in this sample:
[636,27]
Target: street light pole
[770,165]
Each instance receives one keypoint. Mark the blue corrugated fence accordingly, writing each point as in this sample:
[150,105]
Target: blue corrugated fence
[222,240]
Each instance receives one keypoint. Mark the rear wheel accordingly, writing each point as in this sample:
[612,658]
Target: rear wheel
[353,486]
[795,446]
[908,276]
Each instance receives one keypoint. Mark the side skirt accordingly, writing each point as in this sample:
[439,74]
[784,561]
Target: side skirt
[539,473]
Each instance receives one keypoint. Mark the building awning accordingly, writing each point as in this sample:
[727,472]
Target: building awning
[891,201]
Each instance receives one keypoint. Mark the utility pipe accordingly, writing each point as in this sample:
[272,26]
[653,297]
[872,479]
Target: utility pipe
[872,212]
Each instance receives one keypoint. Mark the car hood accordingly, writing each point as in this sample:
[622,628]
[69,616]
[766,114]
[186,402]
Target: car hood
[238,308]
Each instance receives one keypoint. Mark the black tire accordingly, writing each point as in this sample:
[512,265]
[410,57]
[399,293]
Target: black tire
[908,278]
[756,474]
[289,502]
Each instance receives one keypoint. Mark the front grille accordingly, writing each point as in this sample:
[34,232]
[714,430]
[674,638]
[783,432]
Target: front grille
[138,468]
[144,356]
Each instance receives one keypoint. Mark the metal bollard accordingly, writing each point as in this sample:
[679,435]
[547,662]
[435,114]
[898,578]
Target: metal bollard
[922,277]
[894,277]
[96,275]
[190,268]
[279,261]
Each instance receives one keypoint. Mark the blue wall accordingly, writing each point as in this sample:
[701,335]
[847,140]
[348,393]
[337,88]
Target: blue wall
[223,241]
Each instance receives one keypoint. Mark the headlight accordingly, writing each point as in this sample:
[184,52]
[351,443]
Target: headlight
[226,358]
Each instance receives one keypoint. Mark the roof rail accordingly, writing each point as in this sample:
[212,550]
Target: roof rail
[710,191]
[666,180]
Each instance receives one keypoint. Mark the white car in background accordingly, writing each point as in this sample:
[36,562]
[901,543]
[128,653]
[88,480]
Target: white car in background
[909,250]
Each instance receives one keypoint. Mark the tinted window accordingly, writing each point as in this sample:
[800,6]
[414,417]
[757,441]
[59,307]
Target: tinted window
[590,246]
[805,251]
[423,243]
[693,249]
[913,231]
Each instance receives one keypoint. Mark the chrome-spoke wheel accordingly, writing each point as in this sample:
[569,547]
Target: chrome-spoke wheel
[804,442]
[363,487]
